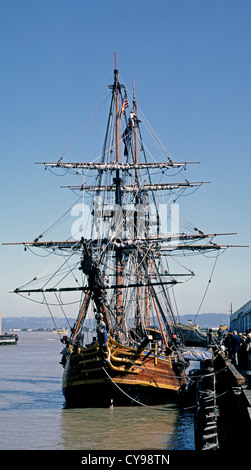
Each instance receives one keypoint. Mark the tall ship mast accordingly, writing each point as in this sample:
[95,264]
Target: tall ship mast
[115,271]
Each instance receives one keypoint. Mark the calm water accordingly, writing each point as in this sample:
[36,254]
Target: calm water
[32,414]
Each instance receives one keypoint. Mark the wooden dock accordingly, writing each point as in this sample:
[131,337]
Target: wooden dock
[223,406]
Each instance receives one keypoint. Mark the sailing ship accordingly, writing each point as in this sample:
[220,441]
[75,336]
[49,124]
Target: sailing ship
[122,279]
[192,336]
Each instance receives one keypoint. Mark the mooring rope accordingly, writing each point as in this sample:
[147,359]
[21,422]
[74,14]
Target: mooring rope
[197,406]
[131,398]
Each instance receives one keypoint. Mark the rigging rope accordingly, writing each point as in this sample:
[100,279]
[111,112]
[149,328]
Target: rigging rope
[61,306]
[86,122]
[209,282]
[52,316]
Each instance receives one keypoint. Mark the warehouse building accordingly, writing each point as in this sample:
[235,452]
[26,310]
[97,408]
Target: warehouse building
[241,319]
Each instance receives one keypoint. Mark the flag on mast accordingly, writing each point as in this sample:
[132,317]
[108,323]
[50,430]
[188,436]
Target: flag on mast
[124,105]
[126,137]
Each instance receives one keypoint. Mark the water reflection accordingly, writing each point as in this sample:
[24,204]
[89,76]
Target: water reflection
[125,428]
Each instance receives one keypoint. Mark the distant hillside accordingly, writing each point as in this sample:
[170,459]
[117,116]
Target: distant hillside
[204,320]
[35,323]
[207,320]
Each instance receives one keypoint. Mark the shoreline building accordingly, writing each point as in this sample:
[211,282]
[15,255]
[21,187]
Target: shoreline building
[241,319]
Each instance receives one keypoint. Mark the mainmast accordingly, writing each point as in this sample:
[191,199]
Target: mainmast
[135,128]
[116,90]
[117,181]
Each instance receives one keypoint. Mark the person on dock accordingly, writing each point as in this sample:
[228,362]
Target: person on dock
[235,348]
[242,353]
[220,335]
[248,340]
[227,341]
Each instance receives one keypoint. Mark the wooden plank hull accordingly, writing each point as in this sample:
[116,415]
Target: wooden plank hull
[120,376]
[192,336]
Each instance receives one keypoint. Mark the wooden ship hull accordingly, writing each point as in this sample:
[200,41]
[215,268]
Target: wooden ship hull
[120,375]
[192,336]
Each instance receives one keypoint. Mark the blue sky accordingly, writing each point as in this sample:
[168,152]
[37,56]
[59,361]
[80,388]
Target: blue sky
[191,60]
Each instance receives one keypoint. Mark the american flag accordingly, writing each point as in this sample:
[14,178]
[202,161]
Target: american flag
[124,105]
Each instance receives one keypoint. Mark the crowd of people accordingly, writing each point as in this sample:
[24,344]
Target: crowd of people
[236,346]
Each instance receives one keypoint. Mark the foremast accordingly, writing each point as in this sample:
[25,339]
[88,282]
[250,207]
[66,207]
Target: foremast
[134,124]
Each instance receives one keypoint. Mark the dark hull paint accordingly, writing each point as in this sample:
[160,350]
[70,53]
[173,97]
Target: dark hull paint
[108,394]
